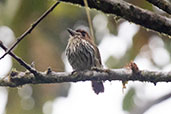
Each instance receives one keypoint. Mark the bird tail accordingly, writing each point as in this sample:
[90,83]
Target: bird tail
[97,87]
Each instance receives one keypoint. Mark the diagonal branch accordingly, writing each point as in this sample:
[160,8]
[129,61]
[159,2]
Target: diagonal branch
[24,64]
[29,30]
[124,74]
[147,105]
[131,13]
[162,4]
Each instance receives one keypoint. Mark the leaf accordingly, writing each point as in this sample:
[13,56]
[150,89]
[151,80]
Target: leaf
[128,101]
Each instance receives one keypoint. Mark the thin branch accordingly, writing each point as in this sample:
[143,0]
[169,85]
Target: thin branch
[89,19]
[29,30]
[22,78]
[24,64]
[151,103]
[162,4]
[131,13]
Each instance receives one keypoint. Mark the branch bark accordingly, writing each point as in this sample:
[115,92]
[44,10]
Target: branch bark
[162,4]
[131,13]
[21,78]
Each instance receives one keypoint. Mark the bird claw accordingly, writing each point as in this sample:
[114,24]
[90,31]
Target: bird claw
[74,73]
[107,70]
[97,69]
[100,69]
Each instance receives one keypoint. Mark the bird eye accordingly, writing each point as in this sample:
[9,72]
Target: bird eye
[83,33]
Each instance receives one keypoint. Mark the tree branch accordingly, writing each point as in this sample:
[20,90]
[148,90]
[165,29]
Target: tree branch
[129,73]
[21,78]
[131,13]
[19,60]
[162,4]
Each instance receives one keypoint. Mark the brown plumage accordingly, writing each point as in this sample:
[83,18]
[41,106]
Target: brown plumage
[83,54]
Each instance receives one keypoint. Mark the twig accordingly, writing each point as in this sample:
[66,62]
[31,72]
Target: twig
[29,30]
[22,78]
[151,103]
[28,67]
[131,13]
[89,19]
[162,4]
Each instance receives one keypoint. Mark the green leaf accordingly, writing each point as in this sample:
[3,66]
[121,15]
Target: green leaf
[128,101]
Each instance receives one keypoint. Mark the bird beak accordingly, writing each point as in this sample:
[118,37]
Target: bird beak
[72,32]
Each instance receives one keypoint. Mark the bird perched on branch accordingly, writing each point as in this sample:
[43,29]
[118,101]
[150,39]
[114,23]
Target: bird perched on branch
[83,54]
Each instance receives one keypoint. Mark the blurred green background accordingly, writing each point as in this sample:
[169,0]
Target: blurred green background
[47,42]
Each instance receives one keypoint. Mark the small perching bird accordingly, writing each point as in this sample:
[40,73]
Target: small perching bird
[83,54]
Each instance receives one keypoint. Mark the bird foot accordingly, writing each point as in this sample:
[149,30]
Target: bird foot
[97,69]
[74,73]
[100,69]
